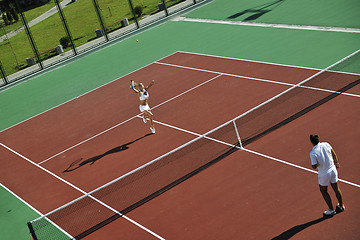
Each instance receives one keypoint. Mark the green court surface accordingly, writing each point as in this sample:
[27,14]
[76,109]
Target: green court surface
[315,49]
[329,13]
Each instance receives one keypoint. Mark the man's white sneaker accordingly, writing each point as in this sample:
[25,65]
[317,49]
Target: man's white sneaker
[144,119]
[340,208]
[330,212]
[152,130]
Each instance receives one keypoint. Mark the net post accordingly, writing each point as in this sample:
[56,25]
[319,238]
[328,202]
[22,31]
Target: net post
[32,232]
[237,134]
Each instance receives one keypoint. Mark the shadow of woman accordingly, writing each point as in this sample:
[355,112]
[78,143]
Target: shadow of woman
[80,162]
[298,228]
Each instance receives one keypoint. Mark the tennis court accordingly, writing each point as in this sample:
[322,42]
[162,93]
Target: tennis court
[229,157]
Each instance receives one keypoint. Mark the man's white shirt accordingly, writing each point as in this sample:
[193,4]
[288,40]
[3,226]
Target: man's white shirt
[321,155]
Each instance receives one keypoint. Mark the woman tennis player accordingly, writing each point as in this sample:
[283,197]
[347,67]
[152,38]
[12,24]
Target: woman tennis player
[144,106]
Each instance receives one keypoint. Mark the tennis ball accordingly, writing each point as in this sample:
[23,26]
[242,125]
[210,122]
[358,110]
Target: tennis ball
[137,40]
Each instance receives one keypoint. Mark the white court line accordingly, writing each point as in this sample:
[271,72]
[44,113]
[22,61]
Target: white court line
[257,79]
[86,140]
[222,73]
[267,63]
[270,25]
[78,189]
[107,130]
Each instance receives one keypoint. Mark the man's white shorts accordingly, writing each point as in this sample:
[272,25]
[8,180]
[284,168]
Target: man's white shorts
[329,177]
[144,107]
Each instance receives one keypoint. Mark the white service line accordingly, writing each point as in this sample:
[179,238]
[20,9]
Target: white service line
[88,139]
[78,189]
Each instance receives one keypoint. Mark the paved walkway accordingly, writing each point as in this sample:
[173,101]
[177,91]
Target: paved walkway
[42,17]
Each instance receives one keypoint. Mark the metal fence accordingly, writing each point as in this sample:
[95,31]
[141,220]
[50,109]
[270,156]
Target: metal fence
[55,31]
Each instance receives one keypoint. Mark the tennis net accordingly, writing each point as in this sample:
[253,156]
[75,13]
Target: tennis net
[100,207]
[299,99]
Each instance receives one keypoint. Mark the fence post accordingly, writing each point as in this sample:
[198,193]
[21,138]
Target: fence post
[133,12]
[96,6]
[63,20]
[3,73]
[28,33]
[165,8]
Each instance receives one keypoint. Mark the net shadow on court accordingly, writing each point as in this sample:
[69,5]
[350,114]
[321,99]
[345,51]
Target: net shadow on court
[300,96]
[166,188]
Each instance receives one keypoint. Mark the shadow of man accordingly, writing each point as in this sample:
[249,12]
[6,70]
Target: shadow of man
[80,163]
[298,228]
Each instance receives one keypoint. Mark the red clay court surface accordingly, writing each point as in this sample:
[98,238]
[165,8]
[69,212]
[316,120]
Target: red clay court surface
[250,194]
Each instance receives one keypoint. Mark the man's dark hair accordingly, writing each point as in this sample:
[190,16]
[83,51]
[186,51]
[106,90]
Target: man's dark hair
[314,138]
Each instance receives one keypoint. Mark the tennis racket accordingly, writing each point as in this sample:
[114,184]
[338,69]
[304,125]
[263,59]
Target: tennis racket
[133,83]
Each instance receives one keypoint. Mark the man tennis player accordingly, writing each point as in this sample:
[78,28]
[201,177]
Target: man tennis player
[323,157]
[144,106]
